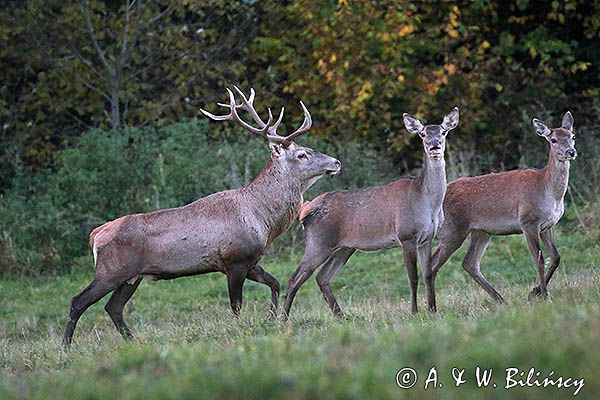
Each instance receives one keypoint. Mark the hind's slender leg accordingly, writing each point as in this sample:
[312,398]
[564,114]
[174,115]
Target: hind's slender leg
[548,240]
[424,258]
[471,263]
[329,270]
[258,274]
[314,256]
[117,302]
[532,235]
[449,243]
[81,302]
[410,262]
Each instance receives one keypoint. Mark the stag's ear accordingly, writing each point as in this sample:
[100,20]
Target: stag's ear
[276,149]
[567,121]
[540,128]
[412,124]
[451,120]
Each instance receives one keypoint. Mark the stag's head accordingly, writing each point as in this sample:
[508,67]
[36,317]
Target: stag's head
[562,140]
[302,163]
[433,136]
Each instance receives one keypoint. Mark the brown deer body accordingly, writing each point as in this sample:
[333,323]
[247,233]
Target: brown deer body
[225,232]
[528,201]
[406,212]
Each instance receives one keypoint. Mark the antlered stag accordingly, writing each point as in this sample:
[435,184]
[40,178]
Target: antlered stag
[406,212]
[528,201]
[225,232]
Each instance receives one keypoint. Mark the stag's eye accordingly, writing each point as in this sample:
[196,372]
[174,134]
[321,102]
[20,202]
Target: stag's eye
[302,156]
[553,140]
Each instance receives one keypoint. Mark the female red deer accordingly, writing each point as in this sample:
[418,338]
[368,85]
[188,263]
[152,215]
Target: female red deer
[225,232]
[528,201]
[406,212]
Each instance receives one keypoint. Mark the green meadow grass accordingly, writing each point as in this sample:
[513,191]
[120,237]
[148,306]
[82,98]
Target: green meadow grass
[188,346]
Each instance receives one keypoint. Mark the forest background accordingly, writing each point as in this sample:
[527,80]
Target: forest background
[99,101]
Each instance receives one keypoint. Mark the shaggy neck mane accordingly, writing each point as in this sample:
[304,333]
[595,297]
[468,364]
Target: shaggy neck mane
[276,197]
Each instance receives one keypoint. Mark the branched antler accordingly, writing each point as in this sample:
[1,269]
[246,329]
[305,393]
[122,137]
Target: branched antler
[267,130]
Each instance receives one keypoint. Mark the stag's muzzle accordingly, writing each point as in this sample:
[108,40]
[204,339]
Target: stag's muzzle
[335,169]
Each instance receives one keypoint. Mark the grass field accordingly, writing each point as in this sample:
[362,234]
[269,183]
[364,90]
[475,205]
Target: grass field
[188,346]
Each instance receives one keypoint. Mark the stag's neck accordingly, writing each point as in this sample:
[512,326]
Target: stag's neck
[557,176]
[433,182]
[275,198]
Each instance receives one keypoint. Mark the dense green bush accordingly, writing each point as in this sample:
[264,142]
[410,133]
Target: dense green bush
[46,216]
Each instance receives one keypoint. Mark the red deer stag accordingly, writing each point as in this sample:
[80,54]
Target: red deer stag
[406,212]
[225,232]
[528,201]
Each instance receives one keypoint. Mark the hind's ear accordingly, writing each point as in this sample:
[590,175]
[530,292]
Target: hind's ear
[567,121]
[412,124]
[540,127]
[451,120]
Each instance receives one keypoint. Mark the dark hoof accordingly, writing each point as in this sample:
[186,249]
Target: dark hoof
[341,316]
[536,292]
[272,315]
[283,317]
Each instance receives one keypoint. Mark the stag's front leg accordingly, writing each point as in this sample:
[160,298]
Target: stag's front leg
[532,235]
[410,262]
[424,257]
[235,283]
[258,274]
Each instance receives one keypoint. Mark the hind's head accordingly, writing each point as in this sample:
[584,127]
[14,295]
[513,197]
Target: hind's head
[433,136]
[561,139]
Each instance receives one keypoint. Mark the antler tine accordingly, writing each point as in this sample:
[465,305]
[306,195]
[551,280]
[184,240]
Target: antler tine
[273,128]
[272,135]
[248,105]
[265,130]
[231,107]
[306,125]
[259,131]
[252,93]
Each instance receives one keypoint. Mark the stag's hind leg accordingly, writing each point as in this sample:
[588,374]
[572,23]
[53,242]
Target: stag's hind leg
[235,284]
[329,271]
[116,303]
[258,274]
[472,262]
[81,302]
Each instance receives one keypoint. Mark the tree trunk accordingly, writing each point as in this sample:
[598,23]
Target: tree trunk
[115,112]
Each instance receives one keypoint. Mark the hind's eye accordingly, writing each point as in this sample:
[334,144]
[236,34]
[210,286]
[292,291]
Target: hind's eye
[303,156]
[553,140]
